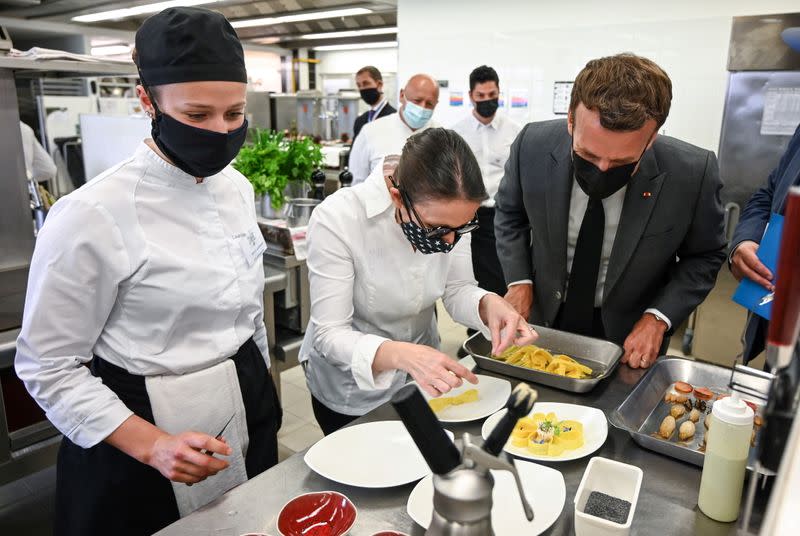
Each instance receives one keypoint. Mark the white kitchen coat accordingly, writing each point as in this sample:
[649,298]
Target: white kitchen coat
[369,286]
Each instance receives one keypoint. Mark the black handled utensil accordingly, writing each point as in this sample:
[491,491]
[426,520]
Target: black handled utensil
[426,431]
[519,404]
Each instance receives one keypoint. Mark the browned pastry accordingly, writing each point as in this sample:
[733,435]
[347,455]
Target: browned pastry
[686,431]
[667,427]
[677,411]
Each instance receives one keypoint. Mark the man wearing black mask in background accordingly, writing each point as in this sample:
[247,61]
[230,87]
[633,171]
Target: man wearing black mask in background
[370,84]
[603,227]
[489,134]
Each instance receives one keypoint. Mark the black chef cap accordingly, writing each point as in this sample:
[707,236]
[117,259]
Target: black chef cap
[188,44]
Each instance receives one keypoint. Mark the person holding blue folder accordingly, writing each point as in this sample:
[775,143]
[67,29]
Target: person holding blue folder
[766,202]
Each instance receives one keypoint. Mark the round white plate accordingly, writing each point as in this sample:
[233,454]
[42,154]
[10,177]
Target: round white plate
[493,394]
[544,489]
[372,455]
[595,430]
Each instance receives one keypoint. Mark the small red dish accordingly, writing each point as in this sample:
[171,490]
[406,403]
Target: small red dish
[322,513]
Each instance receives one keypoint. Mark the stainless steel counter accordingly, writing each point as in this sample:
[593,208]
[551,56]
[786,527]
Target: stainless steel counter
[667,502]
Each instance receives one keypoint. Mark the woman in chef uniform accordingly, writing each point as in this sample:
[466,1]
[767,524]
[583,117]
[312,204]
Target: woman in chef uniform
[152,275]
[380,255]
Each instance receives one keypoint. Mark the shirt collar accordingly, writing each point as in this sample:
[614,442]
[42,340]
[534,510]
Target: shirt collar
[379,106]
[494,125]
[163,171]
[375,193]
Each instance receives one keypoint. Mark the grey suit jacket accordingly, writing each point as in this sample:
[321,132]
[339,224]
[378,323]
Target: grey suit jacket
[669,245]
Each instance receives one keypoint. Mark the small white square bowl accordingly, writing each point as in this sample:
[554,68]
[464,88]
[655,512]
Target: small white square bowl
[613,478]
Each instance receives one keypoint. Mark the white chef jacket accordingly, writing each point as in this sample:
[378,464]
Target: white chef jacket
[37,162]
[149,270]
[369,286]
[384,136]
[491,145]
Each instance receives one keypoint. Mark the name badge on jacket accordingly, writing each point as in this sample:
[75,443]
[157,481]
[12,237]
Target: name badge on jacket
[253,246]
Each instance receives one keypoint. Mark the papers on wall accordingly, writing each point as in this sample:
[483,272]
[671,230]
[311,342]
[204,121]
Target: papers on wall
[781,111]
[562,91]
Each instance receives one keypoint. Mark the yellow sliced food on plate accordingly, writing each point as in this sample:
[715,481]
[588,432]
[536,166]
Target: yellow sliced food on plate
[443,402]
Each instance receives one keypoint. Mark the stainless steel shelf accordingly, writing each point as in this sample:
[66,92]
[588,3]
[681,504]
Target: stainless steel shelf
[64,68]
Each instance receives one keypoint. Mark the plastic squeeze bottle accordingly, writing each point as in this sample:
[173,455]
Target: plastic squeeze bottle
[727,450]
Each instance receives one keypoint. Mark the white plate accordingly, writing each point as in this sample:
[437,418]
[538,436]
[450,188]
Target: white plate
[493,394]
[595,430]
[544,488]
[372,455]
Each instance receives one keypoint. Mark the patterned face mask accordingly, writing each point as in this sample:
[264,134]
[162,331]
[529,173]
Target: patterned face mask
[427,240]
[419,239]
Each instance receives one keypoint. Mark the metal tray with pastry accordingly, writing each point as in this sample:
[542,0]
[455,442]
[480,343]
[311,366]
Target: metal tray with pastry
[575,363]
[669,410]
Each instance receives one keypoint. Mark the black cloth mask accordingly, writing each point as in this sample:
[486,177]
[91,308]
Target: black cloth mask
[371,95]
[599,184]
[197,151]
[418,238]
[487,108]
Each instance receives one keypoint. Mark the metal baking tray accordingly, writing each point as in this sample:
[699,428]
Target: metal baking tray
[641,413]
[601,356]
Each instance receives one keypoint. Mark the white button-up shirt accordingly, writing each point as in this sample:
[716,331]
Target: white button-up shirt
[612,206]
[384,136]
[491,145]
[149,270]
[369,286]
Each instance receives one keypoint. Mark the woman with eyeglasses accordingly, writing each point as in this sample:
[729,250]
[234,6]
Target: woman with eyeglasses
[380,255]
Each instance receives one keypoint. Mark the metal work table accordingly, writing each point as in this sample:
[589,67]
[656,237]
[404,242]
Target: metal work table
[667,501]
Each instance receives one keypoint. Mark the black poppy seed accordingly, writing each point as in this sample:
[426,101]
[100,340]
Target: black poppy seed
[607,507]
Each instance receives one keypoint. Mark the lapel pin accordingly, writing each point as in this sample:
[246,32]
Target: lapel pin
[646,194]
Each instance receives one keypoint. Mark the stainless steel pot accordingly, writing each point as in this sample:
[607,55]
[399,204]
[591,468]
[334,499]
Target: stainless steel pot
[298,210]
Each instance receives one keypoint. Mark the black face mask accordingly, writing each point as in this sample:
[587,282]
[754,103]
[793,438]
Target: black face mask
[601,184]
[371,95]
[487,108]
[197,151]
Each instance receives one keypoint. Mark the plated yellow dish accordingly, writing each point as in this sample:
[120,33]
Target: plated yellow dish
[545,435]
[443,402]
[533,357]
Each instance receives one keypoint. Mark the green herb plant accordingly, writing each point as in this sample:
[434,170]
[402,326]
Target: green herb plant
[273,160]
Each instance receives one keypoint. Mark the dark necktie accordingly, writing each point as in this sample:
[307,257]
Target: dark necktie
[370,115]
[578,313]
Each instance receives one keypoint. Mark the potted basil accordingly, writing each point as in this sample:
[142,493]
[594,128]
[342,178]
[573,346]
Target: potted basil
[277,166]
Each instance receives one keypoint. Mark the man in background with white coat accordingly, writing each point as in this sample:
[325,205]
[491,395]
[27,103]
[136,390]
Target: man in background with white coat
[489,134]
[388,135]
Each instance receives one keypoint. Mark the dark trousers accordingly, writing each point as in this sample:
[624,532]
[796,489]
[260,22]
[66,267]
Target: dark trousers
[329,421]
[485,263]
[102,490]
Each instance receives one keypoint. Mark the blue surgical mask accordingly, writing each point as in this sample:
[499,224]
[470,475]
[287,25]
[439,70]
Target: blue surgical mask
[416,116]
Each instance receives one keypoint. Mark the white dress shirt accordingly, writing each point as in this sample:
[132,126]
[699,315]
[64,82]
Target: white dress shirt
[369,286]
[37,162]
[384,136]
[612,206]
[377,109]
[149,270]
[491,144]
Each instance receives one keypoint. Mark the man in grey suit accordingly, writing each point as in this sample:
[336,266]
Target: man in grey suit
[603,227]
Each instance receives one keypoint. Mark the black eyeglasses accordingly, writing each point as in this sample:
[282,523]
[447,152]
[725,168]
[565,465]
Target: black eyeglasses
[441,230]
